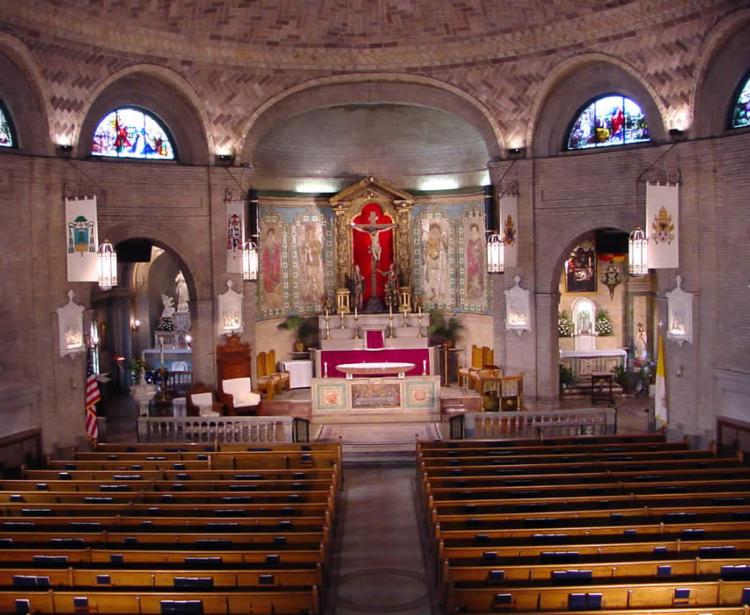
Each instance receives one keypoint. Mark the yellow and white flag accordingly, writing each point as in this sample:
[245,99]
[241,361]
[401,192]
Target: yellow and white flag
[662,225]
[660,398]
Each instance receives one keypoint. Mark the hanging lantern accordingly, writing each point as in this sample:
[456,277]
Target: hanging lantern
[106,260]
[249,261]
[495,254]
[637,253]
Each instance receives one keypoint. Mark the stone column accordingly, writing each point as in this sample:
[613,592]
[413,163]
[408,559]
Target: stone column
[204,342]
[548,350]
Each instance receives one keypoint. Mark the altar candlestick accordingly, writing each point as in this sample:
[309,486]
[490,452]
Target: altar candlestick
[161,352]
[355,311]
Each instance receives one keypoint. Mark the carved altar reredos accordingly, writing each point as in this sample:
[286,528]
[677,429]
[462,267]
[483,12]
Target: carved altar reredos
[348,203]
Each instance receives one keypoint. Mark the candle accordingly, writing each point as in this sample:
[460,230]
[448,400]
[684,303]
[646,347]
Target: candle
[161,351]
[390,309]
[355,311]
[424,366]
[325,369]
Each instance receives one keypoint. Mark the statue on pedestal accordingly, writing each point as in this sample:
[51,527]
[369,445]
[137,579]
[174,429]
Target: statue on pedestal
[183,295]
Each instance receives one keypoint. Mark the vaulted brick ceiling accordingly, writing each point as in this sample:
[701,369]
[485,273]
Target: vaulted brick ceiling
[385,140]
[328,33]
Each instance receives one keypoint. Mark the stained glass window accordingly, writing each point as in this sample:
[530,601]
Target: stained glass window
[610,120]
[6,131]
[132,133]
[741,113]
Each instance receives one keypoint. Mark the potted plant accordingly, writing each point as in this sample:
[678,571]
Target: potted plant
[603,323]
[567,378]
[305,331]
[444,331]
[628,379]
[564,324]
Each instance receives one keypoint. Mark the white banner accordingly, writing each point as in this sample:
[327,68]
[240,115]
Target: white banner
[235,235]
[508,207]
[81,239]
[662,225]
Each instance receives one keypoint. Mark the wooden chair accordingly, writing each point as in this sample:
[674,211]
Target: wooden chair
[282,378]
[264,382]
[197,389]
[233,361]
[467,375]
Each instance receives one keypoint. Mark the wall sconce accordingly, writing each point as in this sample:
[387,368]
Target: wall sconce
[516,152]
[224,160]
[637,253]
[106,260]
[135,325]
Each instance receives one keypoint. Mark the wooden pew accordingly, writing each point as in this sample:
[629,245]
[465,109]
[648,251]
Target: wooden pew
[205,475]
[643,594]
[290,601]
[85,578]
[580,441]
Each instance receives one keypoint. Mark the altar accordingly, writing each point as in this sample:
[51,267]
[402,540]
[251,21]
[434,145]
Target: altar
[392,398]
[374,338]
[586,362]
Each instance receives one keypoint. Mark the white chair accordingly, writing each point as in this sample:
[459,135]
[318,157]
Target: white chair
[205,404]
[238,395]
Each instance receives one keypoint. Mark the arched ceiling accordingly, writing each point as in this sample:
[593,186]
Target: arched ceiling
[351,33]
[385,140]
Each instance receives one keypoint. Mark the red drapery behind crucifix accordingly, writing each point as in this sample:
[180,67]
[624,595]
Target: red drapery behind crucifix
[371,222]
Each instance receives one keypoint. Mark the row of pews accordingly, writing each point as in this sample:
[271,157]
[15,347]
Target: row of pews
[606,524]
[171,529]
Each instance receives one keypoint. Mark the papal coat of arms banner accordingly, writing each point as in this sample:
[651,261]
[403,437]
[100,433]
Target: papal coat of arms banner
[508,206]
[662,224]
[235,235]
[82,239]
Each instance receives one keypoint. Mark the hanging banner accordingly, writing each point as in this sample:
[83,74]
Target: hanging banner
[235,234]
[662,224]
[508,206]
[82,239]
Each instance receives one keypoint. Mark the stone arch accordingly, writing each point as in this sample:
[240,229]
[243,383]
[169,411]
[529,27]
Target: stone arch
[195,268]
[370,88]
[724,61]
[577,80]
[23,92]
[161,91]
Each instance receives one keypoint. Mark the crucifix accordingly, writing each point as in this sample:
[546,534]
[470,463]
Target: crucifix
[373,229]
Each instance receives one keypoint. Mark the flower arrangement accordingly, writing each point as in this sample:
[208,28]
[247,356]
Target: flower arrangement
[165,324]
[603,324]
[564,324]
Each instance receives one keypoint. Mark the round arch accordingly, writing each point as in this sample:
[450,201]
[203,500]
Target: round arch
[22,91]
[197,274]
[724,61]
[371,88]
[577,80]
[162,92]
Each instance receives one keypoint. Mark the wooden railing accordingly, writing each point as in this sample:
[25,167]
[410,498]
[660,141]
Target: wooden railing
[216,429]
[582,421]
[732,436]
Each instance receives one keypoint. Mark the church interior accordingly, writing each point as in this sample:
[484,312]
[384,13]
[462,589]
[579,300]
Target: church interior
[281,267]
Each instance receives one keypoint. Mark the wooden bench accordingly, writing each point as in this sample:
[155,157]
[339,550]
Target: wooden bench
[290,601]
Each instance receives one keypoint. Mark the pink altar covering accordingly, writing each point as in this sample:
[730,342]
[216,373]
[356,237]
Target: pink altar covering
[420,357]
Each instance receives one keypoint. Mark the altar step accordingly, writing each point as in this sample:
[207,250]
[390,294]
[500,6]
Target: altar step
[355,454]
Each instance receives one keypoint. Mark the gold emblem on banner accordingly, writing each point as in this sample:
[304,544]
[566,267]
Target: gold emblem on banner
[662,227]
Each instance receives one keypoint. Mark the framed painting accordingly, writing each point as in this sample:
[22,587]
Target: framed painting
[580,269]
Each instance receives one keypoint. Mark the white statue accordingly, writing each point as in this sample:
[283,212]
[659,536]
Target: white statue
[183,295]
[168,310]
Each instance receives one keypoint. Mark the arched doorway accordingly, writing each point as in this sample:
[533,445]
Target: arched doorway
[145,323]
[605,316]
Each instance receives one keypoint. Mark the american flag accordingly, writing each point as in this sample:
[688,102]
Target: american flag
[92,398]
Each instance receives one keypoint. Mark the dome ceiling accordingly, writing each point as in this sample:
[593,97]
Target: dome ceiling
[395,140]
[314,33]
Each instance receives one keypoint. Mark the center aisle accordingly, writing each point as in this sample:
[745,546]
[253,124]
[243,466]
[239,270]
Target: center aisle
[378,564]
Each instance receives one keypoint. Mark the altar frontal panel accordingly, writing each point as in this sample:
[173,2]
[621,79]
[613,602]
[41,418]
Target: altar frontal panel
[362,395]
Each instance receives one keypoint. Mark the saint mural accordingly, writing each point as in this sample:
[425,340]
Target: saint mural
[474,260]
[270,266]
[435,266]
[309,256]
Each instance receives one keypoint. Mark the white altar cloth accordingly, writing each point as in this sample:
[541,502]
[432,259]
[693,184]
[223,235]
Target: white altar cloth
[300,373]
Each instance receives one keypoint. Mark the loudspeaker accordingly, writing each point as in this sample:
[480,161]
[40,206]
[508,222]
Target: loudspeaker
[489,209]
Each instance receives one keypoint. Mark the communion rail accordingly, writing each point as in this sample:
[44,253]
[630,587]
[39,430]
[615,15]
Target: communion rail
[581,421]
[240,429]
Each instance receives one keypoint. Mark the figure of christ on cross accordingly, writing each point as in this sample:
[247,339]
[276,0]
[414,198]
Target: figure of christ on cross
[373,229]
